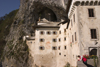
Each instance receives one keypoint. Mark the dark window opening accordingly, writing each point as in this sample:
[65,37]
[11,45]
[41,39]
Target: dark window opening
[41,47]
[41,40]
[54,40]
[59,53]
[54,32]
[65,55]
[93,34]
[59,32]
[59,48]
[75,37]
[91,12]
[64,38]
[54,48]
[93,52]
[41,32]
[48,33]
[64,30]
[59,39]
[64,47]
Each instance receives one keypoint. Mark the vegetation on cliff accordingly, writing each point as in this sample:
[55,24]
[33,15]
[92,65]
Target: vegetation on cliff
[5,24]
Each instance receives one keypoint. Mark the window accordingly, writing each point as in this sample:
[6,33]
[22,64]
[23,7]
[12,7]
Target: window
[91,12]
[59,32]
[59,39]
[54,32]
[64,55]
[41,32]
[48,33]
[54,40]
[75,37]
[41,40]
[93,34]
[64,30]
[41,47]
[59,48]
[74,17]
[59,53]
[54,48]
[64,47]
[64,38]
[72,39]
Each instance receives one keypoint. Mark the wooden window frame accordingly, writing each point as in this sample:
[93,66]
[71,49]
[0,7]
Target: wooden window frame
[91,12]
[93,33]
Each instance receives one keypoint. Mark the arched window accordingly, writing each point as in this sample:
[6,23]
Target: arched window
[93,52]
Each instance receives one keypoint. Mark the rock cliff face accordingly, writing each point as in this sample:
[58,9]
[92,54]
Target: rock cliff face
[16,52]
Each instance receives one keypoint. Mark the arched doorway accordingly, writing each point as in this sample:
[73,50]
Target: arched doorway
[93,52]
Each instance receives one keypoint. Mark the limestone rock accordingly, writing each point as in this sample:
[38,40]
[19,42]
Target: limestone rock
[16,52]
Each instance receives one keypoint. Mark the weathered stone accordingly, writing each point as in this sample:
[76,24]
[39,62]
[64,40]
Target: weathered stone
[28,15]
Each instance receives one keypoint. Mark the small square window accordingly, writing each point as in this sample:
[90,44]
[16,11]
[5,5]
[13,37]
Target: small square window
[64,30]
[48,32]
[59,32]
[54,48]
[41,40]
[59,39]
[59,48]
[54,32]
[64,38]
[54,40]
[41,32]
[41,47]
[64,55]
[59,53]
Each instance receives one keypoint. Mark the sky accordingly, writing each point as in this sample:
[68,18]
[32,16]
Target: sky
[7,6]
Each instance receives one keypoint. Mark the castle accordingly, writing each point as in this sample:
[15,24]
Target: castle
[57,43]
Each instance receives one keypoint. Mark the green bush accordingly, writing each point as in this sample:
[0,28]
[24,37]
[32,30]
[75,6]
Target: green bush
[67,65]
[5,25]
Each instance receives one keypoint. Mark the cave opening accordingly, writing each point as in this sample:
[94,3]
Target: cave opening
[43,12]
[48,14]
